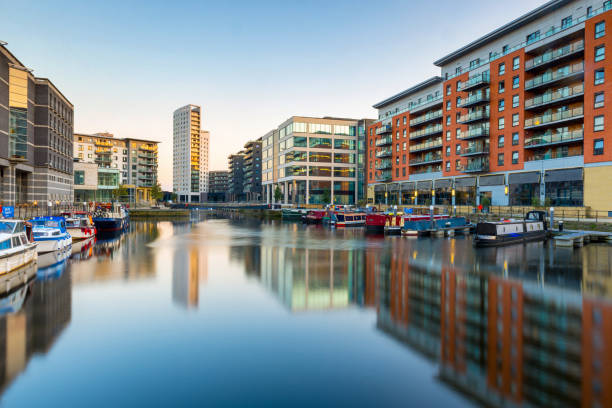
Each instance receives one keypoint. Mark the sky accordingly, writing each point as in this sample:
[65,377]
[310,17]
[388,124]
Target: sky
[127,65]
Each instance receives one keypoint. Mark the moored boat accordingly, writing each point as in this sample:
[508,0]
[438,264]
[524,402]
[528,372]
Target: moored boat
[50,234]
[111,219]
[341,219]
[292,214]
[314,216]
[80,225]
[508,232]
[16,248]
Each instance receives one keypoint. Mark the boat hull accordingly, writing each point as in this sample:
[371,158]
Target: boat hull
[15,260]
[109,224]
[53,243]
[78,234]
[489,241]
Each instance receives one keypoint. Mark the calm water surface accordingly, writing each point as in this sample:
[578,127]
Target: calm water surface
[230,312]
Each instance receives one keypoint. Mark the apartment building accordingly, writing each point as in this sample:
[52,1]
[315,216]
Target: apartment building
[190,155]
[218,186]
[236,164]
[36,125]
[134,161]
[312,160]
[518,116]
[252,170]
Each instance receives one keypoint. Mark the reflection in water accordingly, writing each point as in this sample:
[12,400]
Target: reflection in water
[189,270]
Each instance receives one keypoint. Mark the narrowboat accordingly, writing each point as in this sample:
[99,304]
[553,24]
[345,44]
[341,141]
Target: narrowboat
[16,247]
[50,234]
[80,225]
[413,225]
[292,214]
[340,219]
[508,232]
[314,216]
[111,219]
[375,222]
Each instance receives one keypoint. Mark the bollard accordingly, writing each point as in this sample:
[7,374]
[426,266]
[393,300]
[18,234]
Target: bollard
[561,226]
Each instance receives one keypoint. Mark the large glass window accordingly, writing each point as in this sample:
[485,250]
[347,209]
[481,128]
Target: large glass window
[341,130]
[524,194]
[465,196]
[344,192]
[344,172]
[600,29]
[319,128]
[299,141]
[320,142]
[299,127]
[316,171]
[299,170]
[18,133]
[108,179]
[344,158]
[320,192]
[319,157]
[347,144]
[565,193]
[79,177]
[299,156]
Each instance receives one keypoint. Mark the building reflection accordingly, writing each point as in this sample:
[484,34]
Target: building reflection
[524,325]
[190,269]
[33,317]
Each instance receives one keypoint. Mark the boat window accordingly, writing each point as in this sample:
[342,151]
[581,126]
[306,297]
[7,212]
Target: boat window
[6,244]
[39,234]
[24,240]
[6,227]
[55,233]
[16,241]
[19,227]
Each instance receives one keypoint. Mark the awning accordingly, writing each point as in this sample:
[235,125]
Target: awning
[380,187]
[408,186]
[495,180]
[393,187]
[444,183]
[424,185]
[532,177]
[563,175]
[465,182]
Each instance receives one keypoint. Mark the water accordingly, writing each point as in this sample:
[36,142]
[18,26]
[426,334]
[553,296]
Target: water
[236,313]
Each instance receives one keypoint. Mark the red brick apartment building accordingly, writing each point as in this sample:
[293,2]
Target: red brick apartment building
[519,115]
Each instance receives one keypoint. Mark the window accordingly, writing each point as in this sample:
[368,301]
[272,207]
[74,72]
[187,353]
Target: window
[566,22]
[598,123]
[515,157]
[516,63]
[448,105]
[79,177]
[598,147]
[458,149]
[457,70]
[403,172]
[397,135]
[515,82]
[505,49]
[600,53]
[501,122]
[502,69]
[515,101]
[448,89]
[404,146]
[448,135]
[404,120]
[500,141]
[404,133]
[533,37]
[448,120]
[457,164]
[474,63]
[397,147]
[599,100]
[600,29]
[397,123]
[447,166]
[589,11]
[458,102]
[599,76]
[515,139]
[448,151]
[458,86]
[515,119]
[501,87]
[500,105]
[500,159]
[404,159]
[457,133]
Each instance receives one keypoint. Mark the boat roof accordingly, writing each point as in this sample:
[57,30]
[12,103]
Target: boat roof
[4,236]
[48,218]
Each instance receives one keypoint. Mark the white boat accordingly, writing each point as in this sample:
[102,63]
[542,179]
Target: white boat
[50,234]
[16,250]
[80,226]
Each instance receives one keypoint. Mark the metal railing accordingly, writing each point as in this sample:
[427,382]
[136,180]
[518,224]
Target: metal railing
[384,153]
[475,81]
[549,97]
[550,77]
[474,99]
[475,149]
[428,158]
[474,116]
[555,54]
[427,117]
[387,140]
[550,138]
[383,129]
[428,131]
[427,145]
[481,131]
[542,120]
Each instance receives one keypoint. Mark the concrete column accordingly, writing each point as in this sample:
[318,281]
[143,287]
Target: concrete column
[331,193]
[399,194]
[307,191]
[286,194]
[8,186]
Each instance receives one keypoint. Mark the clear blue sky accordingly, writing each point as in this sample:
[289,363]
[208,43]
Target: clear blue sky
[126,65]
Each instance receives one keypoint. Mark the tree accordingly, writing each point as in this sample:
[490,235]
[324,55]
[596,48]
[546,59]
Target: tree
[326,197]
[278,194]
[156,192]
[120,192]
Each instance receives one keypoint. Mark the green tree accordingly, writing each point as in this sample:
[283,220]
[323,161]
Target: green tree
[156,192]
[326,197]
[278,194]
[121,193]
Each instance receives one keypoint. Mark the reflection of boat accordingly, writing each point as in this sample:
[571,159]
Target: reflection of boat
[50,233]
[508,232]
[80,225]
[13,302]
[111,219]
[16,250]
[292,214]
[17,277]
[52,264]
[83,249]
[314,217]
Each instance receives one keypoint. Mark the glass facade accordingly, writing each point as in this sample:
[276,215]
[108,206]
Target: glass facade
[320,192]
[565,193]
[465,196]
[344,192]
[316,171]
[108,179]
[79,177]
[345,144]
[524,194]
[18,133]
[344,172]
[444,196]
[320,143]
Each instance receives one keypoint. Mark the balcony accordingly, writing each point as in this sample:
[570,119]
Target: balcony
[551,98]
[421,147]
[384,165]
[148,148]
[384,153]
[107,143]
[428,131]
[550,139]
[476,81]
[551,155]
[554,56]
[428,117]
[384,129]
[474,100]
[475,132]
[474,117]
[476,166]
[103,151]
[426,169]
[425,104]
[475,150]
[550,119]
[384,141]
[384,176]
[426,159]
[562,74]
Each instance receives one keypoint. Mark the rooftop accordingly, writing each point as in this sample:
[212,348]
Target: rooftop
[420,86]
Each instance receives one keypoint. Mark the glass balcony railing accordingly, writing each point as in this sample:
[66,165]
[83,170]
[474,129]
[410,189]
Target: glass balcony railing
[557,75]
[480,97]
[384,176]
[384,153]
[551,118]
[554,138]
[383,129]
[426,159]
[554,55]
[552,154]
[426,146]
[474,116]
[384,165]
[384,141]
[476,81]
[428,131]
[426,118]
[551,97]
[475,149]
[427,169]
[474,132]
[475,166]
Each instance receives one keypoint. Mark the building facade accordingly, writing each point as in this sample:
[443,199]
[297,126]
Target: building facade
[312,161]
[190,155]
[517,117]
[252,170]
[218,186]
[236,176]
[134,161]
[36,126]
